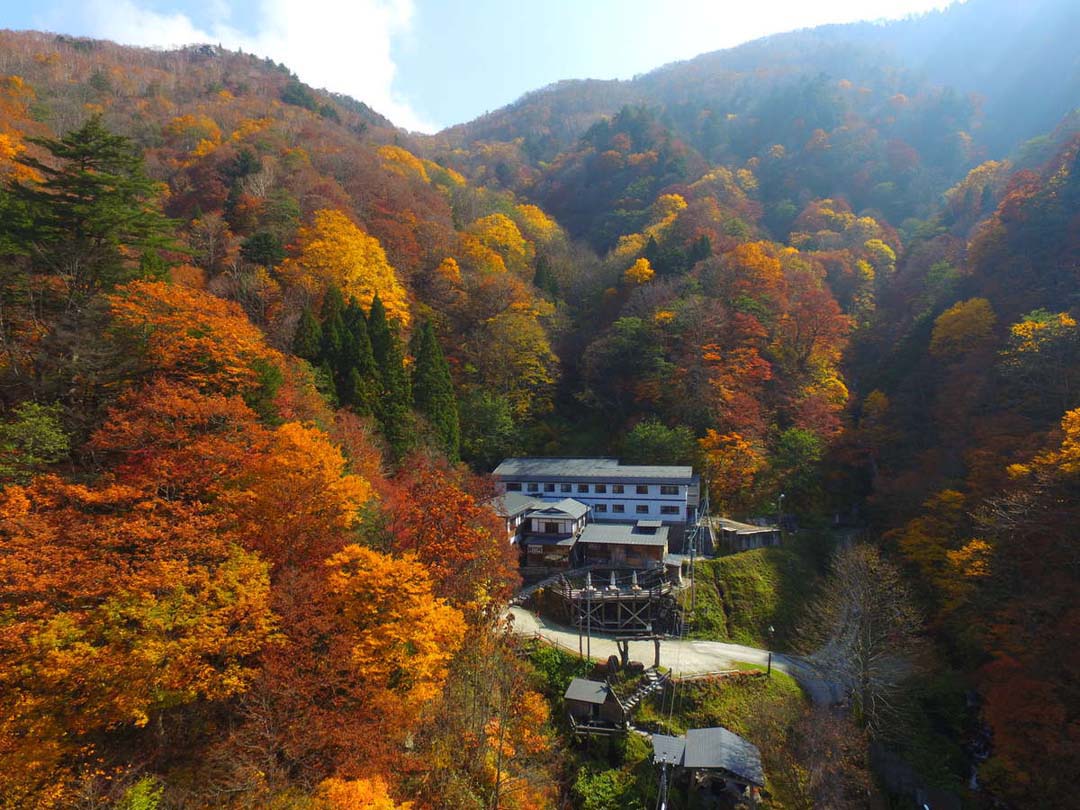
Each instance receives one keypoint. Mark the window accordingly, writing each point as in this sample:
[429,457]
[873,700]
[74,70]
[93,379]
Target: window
[618,507]
[600,507]
[564,487]
[513,486]
[642,509]
[669,510]
[669,490]
[642,489]
[551,528]
[600,488]
[617,489]
[549,487]
[582,487]
[532,486]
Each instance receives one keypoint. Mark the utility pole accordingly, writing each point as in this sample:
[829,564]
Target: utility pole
[702,512]
[768,671]
[588,614]
[780,516]
[693,566]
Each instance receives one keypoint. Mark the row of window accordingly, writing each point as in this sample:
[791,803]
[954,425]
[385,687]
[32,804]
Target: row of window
[599,489]
[640,509]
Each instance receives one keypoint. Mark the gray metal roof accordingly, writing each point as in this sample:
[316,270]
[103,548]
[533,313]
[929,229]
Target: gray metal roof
[728,525]
[585,691]
[623,533]
[718,748]
[549,540]
[591,469]
[568,507]
[668,750]
[512,504]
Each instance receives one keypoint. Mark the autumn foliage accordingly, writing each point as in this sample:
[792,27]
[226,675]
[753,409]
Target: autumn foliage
[335,251]
[253,358]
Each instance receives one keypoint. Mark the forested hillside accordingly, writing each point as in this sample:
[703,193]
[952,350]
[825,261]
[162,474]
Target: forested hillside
[259,348]
[237,563]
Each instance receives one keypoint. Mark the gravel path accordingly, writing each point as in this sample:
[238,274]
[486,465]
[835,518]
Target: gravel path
[686,657]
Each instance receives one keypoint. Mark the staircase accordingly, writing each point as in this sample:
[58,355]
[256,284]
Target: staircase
[651,683]
[523,595]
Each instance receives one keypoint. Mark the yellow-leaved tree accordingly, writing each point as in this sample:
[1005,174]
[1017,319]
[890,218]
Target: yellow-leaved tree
[333,250]
[499,233]
[356,794]
[963,327]
[402,636]
[536,225]
[639,272]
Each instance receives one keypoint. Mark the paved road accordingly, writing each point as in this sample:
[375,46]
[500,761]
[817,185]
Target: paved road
[689,657]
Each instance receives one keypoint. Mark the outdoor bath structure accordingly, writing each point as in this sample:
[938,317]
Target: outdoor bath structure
[640,605]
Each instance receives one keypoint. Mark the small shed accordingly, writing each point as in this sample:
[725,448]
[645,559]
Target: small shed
[724,754]
[738,536]
[592,705]
[712,758]
[668,750]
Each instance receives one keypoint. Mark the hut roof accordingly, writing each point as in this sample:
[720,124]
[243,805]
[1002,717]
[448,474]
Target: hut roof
[585,691]
[718,748]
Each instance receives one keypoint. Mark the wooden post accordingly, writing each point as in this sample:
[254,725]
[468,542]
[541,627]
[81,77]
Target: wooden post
[656,642]
[588,615]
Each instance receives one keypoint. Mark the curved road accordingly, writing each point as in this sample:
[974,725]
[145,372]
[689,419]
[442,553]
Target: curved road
[683,657]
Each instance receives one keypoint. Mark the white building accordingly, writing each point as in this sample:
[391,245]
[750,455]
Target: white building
[614,492]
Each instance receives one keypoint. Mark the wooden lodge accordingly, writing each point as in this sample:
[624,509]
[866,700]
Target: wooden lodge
[513,508]
[551,533]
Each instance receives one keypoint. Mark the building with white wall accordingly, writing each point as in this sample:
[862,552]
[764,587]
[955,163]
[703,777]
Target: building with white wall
[614,492]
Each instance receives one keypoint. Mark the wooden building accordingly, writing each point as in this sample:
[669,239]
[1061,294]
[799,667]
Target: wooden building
[735,536]
[642,545]
[550,533]
[593,707]
[567,517]
[513,507]
[713,760]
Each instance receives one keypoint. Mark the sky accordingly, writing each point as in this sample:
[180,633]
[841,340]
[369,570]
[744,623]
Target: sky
[427,64]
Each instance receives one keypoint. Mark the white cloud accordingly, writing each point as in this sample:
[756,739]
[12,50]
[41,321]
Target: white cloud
[340,45]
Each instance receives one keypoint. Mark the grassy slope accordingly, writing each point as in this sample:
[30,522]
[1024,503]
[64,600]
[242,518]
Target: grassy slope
[740,595]
[759,709]
[618,774]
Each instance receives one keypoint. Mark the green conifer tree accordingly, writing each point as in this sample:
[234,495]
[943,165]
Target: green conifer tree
[93,209]
[433,390]
[362,377]
[307,342]
[701,249]
[394,406]
[333,329]
[544,279]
